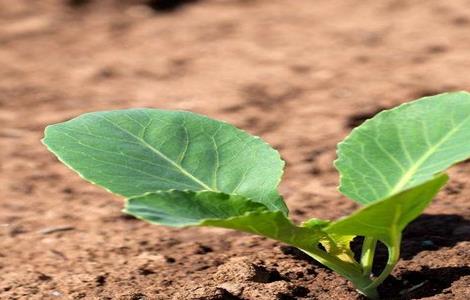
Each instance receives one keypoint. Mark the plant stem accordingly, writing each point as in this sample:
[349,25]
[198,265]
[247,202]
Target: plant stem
[350,271]
[367,255]
[393,256]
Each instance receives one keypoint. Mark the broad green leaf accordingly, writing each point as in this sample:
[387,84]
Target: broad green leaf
[186,208]
[385,219]
[132,152]
[404,147]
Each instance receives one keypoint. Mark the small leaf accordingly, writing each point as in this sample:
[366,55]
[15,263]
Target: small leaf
[385,219]
[404,147]
[132,152]
[186,208]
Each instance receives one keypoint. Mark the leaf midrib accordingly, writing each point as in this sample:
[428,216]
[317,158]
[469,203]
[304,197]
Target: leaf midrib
[160,154]
[412,171]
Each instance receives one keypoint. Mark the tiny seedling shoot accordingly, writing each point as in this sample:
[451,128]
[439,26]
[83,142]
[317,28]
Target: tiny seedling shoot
[177,168]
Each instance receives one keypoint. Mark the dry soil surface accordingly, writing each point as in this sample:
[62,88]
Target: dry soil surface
[300,74]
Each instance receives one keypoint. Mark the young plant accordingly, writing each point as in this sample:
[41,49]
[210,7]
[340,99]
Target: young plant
[182,169]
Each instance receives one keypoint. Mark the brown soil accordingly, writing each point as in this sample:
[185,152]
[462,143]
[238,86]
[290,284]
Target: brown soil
[298,73]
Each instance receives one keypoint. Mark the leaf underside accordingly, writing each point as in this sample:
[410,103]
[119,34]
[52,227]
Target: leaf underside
[404,147]
[136,151]
[186,208]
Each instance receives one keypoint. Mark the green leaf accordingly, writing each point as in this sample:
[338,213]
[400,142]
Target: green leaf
[404,147]
[334,244]
[385,220]
[274,225]
[186,208]
[132,152]
[315,223]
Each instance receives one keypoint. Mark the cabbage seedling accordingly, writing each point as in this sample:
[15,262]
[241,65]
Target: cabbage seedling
[180,169]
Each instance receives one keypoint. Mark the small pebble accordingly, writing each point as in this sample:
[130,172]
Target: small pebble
[428,244]
[56,293]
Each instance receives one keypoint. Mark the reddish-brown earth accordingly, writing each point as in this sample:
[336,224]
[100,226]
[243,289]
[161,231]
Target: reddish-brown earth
[298,73]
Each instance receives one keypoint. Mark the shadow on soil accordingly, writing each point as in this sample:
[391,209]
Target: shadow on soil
[432,232]
[168,5]
[160,6]
[421,284]
[426,233]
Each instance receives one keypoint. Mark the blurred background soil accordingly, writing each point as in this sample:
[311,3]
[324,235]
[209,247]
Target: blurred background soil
[300,74]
